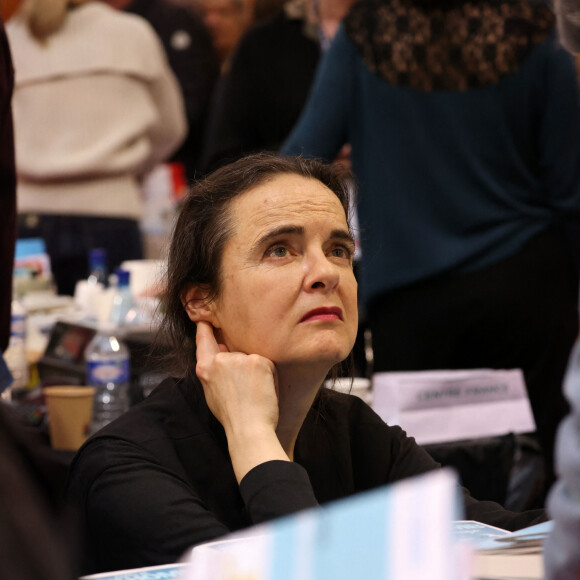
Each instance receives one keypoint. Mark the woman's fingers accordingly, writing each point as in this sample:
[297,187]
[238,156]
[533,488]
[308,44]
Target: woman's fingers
[206,344]
[207,348]
[239,388]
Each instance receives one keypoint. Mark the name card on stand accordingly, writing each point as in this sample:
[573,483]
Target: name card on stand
[398,532]
[441,406]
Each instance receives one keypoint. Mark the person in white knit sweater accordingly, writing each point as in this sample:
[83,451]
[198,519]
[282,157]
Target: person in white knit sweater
[96,106]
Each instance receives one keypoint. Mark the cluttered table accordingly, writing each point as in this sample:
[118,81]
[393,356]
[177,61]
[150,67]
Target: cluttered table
[406,531]
[365,537]
[51,334]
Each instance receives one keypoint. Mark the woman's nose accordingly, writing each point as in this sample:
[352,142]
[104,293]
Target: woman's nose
[322,274]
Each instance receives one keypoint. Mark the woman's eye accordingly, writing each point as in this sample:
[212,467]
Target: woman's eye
[341,252]
[278,252]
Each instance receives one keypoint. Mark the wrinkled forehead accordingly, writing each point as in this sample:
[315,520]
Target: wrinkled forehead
[288,197]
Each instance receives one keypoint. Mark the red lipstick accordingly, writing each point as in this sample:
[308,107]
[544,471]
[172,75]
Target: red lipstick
[331,313]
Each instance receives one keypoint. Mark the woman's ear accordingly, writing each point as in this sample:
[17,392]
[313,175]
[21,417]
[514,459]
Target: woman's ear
[196,304]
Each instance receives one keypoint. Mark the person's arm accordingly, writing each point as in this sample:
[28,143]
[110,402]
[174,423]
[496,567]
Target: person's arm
[323,126]
[7,189]
[196,65]
[138,511]
[241,392]
[170,127]
[276,488]
[494,514]
[561,554]
[411,456]
[403,457]
[194,61]
[559,140]
[37,538]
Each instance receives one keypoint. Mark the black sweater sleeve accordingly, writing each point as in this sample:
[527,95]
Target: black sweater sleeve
[276,488]
[140,512]
[136,511]
[381,454]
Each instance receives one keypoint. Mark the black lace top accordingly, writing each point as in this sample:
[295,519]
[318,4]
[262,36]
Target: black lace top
[449,45]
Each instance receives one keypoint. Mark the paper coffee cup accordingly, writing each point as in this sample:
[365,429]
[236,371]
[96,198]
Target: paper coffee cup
[69,414]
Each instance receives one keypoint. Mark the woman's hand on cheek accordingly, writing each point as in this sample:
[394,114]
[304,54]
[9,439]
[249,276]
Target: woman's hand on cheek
[240,391]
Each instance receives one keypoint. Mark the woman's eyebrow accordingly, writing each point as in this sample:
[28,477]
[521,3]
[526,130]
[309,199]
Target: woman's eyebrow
[342,235]
[283,230]
[298,230]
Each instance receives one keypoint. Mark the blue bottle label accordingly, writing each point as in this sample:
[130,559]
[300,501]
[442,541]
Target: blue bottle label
[104,372]
[18,326]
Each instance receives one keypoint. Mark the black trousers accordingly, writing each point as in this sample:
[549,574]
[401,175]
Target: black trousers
[519,313]
[70,238]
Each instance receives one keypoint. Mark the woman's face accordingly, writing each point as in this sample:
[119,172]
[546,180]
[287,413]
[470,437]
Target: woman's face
[288,288]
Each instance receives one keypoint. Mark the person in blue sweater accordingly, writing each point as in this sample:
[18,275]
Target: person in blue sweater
[464,124]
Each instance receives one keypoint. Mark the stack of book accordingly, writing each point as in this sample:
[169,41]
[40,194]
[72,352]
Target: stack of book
[505,555]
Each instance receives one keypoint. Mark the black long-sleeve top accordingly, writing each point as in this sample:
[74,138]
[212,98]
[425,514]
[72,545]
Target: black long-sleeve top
[260,98]
[159,479]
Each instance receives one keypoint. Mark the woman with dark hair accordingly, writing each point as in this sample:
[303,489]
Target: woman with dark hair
[260,305]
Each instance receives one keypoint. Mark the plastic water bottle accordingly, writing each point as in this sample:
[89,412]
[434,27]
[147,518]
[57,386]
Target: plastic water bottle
[98,267]
[122,299]
[15,354]
[108,371]
[89,293]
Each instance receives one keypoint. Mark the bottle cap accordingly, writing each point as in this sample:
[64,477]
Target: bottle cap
[98,256]
[122,277]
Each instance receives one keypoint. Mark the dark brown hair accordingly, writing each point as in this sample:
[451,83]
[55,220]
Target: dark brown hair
[204,226]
